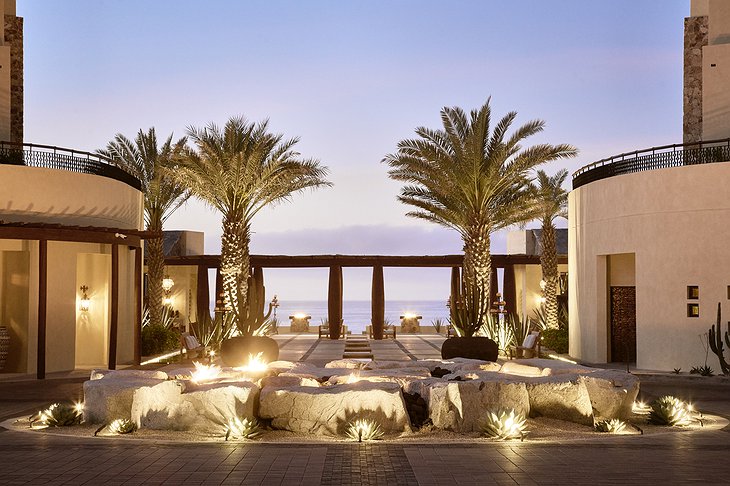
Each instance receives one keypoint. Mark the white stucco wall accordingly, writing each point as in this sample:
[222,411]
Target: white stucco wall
[34,194]
[675,222]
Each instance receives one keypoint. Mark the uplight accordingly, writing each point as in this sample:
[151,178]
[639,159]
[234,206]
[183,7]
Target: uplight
[205,372]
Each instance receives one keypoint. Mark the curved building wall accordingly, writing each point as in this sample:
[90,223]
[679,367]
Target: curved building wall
[659,231]
[41,195]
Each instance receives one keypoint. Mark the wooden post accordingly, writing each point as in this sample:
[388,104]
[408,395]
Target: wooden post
[510,291]
[455,296]
[137,305]
[257,286]
[203,294]
[219,302]
[334,302]
[42,298]
[494,287]
[114,321]
[377,303]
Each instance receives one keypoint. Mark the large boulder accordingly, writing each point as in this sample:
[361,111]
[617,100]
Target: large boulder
[328,410]
[462,406]
[98,374]
[177,405]
[402,377]
[286,380]
[612,393]
[563,397]
[110,397]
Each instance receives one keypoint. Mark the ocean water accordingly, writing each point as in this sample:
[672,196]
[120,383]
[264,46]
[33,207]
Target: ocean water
[356,313]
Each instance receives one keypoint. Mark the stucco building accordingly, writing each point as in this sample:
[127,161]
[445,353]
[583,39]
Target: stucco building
[648,230]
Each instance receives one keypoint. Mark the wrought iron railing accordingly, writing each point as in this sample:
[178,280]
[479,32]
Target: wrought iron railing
[654,158]
[50,157]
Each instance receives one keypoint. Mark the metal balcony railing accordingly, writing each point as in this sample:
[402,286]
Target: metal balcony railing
[654,158]
[51,157]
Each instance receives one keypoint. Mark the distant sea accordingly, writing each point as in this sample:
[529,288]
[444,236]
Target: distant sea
[356,313]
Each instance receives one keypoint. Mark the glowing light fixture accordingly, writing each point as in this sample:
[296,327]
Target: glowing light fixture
[300,315]
[543,284]
[256,364]
[84,302]
[167,283]
[205,372]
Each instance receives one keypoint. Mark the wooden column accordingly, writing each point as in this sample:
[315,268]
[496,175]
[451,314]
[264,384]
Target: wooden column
[42,298]
[510,291]
[257,286]
[378,302]
[218,288]
[493,287]
[114,318]
[455,296]
[334,302]
[203,294]
[137,305]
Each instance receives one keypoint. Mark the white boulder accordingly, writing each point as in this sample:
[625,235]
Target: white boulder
[286,380]
[110,398]
[563,397]
[612,393]
[125,374]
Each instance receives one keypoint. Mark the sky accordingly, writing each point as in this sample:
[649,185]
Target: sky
[351,79]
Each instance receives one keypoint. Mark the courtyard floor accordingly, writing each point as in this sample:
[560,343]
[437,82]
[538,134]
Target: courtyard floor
[673,458]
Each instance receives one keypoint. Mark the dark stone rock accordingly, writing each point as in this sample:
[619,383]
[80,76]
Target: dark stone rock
[481,348]
[236,351]
[417,409]
[439,372]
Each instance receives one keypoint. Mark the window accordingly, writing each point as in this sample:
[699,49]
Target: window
[693,310]
[693,292]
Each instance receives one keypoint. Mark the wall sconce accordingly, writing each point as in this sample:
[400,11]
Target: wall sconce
[167,283]
[85,302]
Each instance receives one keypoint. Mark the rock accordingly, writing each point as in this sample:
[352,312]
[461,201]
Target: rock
[563,397]
[201,408]
[350,364]
[108,399]
[328,410]
[462,406]
[517,368]
[417,409]
[124,374]
[481,348]
[286,380]
[612,393]
[402,377]
[549,367]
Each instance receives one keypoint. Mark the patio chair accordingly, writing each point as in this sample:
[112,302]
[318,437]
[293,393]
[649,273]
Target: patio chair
[530,347]
[388,332]
[191,344]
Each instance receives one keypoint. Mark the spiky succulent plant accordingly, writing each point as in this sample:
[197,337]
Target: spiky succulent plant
[59,415]
[612,426]
[364,429]
[669,410]
[122,426]
[237,428]
[504,424]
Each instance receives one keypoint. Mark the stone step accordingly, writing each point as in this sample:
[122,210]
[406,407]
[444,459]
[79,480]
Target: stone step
[357,355]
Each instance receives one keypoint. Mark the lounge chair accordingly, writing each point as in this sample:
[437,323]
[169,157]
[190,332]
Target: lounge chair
[191,344]
[530,347]
[388,332]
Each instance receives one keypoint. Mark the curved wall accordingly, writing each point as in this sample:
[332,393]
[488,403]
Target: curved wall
[40,195]
[674,225]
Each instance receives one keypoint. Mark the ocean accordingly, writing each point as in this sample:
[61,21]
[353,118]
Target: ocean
[356,313]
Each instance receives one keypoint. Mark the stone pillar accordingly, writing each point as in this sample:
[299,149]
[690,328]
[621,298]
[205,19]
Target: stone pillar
[377,319]
[334,302]
[696,35]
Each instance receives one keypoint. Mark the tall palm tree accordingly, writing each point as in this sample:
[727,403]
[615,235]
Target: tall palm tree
[145,160]
[552,202]
[239,169]
[475,181]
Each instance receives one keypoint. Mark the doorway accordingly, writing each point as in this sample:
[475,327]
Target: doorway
[623,324]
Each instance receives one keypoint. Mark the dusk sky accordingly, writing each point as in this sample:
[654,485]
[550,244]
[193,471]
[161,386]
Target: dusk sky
[352,79]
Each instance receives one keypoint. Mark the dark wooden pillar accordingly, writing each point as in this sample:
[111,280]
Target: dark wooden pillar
[219,302]
[203,294]
[114,321]
[493,287]
[334,302]
[42,302]
[257,288]
[137,305]
[510,292]
[455,297]
[378,302]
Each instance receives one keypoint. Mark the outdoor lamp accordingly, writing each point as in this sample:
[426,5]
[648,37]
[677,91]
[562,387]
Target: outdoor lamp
[85,302]
[167,283]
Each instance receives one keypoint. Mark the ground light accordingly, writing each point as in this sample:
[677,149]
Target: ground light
[364,430]
[503,425]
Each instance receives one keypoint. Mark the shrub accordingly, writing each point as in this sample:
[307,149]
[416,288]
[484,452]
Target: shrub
[555,339]
[157,339]
[669,411]
[503,425]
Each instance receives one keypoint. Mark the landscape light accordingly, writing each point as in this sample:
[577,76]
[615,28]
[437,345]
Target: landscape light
[167,283]
[84,302]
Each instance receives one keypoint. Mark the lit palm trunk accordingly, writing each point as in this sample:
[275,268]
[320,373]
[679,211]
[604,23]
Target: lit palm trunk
[235,266]
[477,273]
[155,274]
[549,264]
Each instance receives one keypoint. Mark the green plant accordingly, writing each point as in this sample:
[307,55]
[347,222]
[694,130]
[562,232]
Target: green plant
[612,426]
[677,371]
[167,317]
[555,339]
[469,316]
[705,370]
[504,424]
[59,415]
[498,330]
[520,328]
[438,325]
[540,320]
[122,426]
[157,339]
[669,411]
[245,428]
[364,429]
[252,320]
[715,342]
[211,332]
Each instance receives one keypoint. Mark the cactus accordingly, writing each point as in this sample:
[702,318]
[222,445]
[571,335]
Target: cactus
[252,319]
[715,339]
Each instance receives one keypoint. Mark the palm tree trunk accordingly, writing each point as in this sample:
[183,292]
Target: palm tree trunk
[155,273]
[234,263]
[549,264]
[477,275]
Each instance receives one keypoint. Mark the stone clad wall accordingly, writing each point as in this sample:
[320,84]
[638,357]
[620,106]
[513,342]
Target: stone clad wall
[696,34]
[14,37]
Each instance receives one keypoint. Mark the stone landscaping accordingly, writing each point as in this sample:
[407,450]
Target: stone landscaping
[450,395]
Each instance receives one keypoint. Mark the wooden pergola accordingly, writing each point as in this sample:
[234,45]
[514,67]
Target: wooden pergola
[43,233]
[335,263]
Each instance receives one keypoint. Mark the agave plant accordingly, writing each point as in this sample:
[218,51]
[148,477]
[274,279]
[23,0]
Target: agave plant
[504,425]
[245,428]
[59,415]
[211,332]
[612,426]
[671,411]
[122,426]
[364,430]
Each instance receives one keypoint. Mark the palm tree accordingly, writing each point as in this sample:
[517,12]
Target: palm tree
[475,181]
[162,196]
[240,169]
[552,202]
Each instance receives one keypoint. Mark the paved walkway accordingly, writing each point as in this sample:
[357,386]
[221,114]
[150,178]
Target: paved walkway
[676,458]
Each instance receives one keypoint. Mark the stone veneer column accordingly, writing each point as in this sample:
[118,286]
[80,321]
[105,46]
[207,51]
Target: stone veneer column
[696,33]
